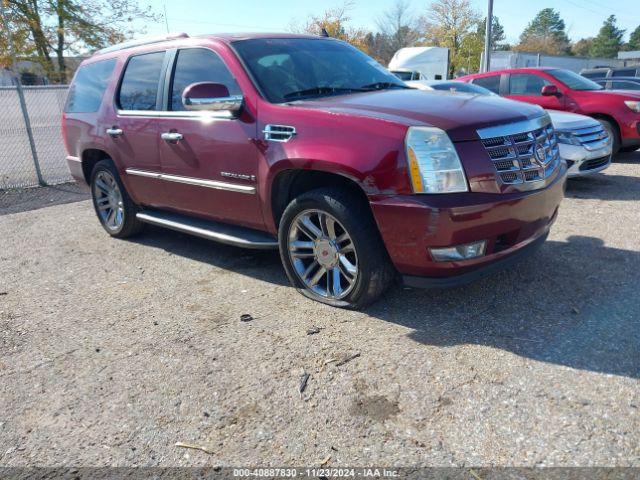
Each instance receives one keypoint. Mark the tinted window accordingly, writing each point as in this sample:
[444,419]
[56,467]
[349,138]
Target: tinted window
[627,72]
[620,85]
[140,82]
[596,74]
[526,84]
[199,65]
[490,83]
[87,89]
[573,80]
[289,69]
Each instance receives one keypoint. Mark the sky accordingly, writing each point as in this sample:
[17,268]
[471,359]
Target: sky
[583,18]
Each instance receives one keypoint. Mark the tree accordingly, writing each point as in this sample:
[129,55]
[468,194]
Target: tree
[497,32]
[545,34]
[398,29]
[335,22]
[608,42]
[59,27]
[447,24]
[634,40]
[582,47]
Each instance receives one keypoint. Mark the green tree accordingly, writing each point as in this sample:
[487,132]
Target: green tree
[608,42]
[634,40]
[582,47]
[497,32]
[545,34]
[60,27]
[447,24]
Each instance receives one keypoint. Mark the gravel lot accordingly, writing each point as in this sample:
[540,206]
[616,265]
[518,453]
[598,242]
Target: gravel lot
[112,351]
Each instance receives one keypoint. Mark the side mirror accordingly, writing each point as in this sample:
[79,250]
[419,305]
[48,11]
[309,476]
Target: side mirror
[550,91]
[212,97]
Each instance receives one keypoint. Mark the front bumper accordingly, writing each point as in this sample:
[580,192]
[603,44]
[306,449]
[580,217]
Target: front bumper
[581,161]
[412,224]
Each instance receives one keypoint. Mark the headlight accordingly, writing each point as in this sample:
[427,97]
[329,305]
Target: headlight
[633,105]
[567,138]
[434,165]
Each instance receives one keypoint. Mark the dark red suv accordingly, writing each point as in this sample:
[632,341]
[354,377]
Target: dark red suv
[558,89]
[307,145]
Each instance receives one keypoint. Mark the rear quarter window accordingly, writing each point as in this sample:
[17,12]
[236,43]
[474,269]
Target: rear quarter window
[88,87]
[139,86]
[490,83]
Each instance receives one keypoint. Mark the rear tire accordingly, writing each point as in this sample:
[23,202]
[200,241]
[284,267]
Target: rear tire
[613,132]
[629,149]
[332,251]
[114,208]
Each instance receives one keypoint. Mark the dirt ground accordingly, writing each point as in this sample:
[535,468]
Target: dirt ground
[111,351]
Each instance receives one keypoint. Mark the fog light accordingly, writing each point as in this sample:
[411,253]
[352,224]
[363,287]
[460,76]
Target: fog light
[459,252]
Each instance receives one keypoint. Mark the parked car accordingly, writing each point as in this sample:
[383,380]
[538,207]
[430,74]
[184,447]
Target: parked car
[619,83]
[599,72]
[451,86]
[557,89]
[584,144]
[306,144]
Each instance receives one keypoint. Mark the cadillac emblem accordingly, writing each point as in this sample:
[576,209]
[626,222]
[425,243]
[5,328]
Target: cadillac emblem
[540,155]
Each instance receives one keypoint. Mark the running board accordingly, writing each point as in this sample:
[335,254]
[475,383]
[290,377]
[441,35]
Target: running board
[216,231]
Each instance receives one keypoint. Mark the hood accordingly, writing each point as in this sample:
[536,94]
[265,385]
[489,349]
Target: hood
[570,121]
[459,115]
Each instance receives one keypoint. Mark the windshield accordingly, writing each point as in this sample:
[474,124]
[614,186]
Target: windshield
[573,80]
[461,87]
[289,69]
[402,75]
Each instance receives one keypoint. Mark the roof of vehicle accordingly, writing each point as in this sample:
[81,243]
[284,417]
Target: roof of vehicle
[614,79]
[225,37]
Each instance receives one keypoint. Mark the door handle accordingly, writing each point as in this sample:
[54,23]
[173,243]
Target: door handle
[114,132]
[171,136]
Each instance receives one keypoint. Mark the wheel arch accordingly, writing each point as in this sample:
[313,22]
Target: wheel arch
[89,158]
[292,182]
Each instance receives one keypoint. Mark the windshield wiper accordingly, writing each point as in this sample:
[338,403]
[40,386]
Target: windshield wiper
[319,91]
[383,86]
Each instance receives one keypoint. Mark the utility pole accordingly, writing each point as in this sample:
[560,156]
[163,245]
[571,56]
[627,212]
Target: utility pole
[486,60]
[23,103]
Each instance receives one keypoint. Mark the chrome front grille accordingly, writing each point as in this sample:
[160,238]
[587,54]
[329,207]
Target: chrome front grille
[523,156]
[592,138]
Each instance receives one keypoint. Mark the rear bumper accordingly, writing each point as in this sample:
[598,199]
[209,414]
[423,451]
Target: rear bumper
[75,168]
[410,225]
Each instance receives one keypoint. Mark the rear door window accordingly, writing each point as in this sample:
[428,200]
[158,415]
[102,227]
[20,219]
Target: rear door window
[490,83]
[625,72]
[88,87]
[139,87]
[622,85]
[195,65]
[526,84]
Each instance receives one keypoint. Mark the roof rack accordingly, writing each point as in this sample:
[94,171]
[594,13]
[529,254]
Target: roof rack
[142,41]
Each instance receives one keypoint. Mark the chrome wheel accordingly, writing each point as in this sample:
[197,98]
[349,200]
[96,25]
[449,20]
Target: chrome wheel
[323,254]
[108,198]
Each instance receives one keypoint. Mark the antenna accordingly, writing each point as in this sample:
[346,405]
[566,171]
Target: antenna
[166,20]
[324,33]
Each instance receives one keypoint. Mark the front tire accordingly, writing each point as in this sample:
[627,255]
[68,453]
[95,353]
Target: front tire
[613,132]
[114,208]
[332,251]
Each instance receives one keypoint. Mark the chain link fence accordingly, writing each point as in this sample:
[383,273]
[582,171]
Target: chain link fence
[18,163]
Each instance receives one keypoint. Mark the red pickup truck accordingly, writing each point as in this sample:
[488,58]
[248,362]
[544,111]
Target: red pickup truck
[306,145]
[558,89]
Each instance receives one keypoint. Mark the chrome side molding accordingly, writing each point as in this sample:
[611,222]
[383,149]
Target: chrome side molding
[198,182]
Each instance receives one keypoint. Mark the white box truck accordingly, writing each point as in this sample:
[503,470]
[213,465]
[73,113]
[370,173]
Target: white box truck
[420,63]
